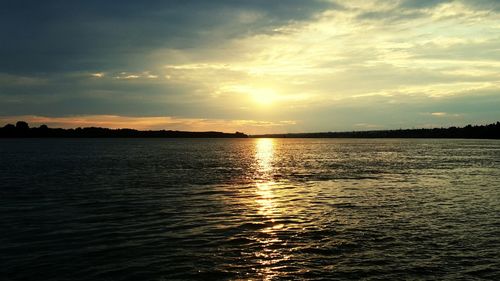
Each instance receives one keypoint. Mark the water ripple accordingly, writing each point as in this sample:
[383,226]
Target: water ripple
[258,209]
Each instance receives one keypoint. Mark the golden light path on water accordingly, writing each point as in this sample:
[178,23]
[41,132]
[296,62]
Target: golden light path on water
[264,156]
[270,253]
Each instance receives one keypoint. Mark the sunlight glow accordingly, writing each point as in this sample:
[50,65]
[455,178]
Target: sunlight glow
[264,96]
[260,95]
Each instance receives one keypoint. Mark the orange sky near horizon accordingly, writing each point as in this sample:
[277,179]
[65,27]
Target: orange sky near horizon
[150,123]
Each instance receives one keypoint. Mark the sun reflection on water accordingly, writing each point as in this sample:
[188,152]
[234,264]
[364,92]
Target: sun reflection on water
[269,256]
[264,156]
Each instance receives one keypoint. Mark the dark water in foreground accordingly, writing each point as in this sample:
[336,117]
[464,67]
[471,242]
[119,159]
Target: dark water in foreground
[161,209]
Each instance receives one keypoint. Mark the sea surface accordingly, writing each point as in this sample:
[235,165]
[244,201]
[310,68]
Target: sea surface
[249,209]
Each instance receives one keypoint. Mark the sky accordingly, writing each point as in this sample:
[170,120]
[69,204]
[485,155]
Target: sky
[260,66]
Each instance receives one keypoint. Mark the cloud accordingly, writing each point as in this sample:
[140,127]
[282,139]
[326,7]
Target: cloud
[58,36]
[441,114]
[324,65]
[419,4]
[97,75]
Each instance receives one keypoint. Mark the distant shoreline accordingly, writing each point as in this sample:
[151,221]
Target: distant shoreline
[22,130]
[491,131]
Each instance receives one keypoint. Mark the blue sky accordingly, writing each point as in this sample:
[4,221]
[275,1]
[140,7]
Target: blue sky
[252,66]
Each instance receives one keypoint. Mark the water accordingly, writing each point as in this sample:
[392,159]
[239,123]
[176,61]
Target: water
[261,209]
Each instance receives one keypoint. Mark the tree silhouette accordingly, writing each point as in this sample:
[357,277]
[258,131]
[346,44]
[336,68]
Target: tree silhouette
[21,125]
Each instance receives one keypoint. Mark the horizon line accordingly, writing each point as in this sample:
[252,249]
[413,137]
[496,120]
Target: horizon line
[251,135]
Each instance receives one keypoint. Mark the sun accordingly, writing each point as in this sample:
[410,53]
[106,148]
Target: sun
[263,96]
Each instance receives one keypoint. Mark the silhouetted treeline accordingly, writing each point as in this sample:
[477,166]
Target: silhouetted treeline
[491,131]
[22,130]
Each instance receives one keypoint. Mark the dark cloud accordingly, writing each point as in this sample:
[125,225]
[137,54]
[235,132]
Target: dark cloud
[54,36]
[468,107]
[422,4]
[391,15]
[80,94]
[411,9]
[493,5]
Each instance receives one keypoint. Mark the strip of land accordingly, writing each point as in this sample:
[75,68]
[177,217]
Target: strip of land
[491,131]
[22,130]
